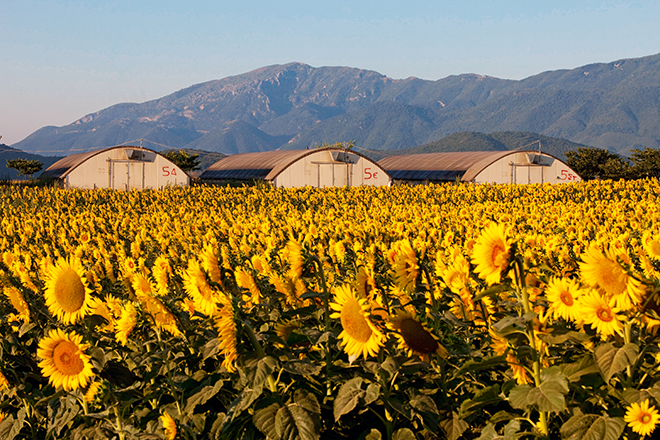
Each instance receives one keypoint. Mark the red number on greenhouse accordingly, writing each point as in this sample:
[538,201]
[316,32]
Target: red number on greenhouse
[565,175]
[168,172]
[369,175]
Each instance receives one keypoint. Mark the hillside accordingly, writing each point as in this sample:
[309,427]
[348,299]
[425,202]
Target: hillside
[612,105]
[9,153]
[472,141]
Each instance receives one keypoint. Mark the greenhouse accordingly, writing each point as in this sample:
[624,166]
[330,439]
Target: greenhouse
[122,167]
[319,168]
[520,167]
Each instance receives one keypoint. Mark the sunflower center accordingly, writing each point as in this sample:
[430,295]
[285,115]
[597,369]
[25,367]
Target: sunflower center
[646,418]
[613,279]
[69,291]
[499,256]
[66,358]
[604,315]
[566,298]
[417,338]
[354,322]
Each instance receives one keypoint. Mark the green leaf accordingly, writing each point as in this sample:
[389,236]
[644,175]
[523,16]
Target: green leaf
[549,396]
[243,401]
[348,396]
[485,364]
[632,395]
[307,401]
[592,427]
[11,427]
[211,348]
[655,391]
[483,397]
[302,368]
[403,434]
[67,411]
[374,434]
[265,366]
[510,431]
[201,397]
[612,360]
[264,420]
[373,393]
[426,409]
[453,427]
[293,422]
[584,366]
[498,288]
[26,327]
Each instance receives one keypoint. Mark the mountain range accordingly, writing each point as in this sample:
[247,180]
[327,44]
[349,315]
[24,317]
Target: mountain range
[612,105]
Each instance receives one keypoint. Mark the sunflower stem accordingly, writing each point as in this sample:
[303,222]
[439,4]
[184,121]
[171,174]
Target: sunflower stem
[627,331]
[120,427]
[272,384]
[326,294]
[536,365]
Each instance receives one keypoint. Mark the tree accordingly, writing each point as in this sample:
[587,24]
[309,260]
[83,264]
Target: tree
[646,163]
[597,163]
[185,161]
[25,167]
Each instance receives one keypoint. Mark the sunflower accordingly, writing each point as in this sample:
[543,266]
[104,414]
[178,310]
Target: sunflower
[226,326]
[491,253]
[604,271]
[198,289]
[563,296]
[414,337]
[260,264]
[64,360]
[163,318]
[519,372]
[294,254]
[101,308]
[285,328]
[210,264]
[19,303]
[359,336]
[161,272]
[366,284]
[245,280]
[597,312]
[92,393]
[406,267]
[652,245]
[126,323]
[67,295]
[4,383]
[642,418]
[290,287]
[169,426]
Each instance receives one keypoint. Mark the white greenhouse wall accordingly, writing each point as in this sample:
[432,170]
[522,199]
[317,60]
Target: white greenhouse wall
[518,168]
[322,170]
[112,169]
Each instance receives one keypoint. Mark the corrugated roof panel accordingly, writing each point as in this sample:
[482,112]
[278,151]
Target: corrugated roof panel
[64,166]
[440,166]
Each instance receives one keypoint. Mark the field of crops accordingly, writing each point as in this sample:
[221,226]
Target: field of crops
[443,311]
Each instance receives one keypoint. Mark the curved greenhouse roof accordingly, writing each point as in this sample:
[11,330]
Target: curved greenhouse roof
[479,166]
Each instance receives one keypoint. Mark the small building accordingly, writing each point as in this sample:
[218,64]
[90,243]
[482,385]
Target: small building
[123,167]
[479,167]
[321,167]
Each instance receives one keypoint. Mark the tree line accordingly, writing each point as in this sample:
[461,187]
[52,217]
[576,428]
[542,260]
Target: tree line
[596,163]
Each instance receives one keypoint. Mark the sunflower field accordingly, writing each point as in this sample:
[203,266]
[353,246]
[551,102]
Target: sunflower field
[411,312]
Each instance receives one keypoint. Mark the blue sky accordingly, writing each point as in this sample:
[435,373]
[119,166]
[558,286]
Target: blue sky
[63,59]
